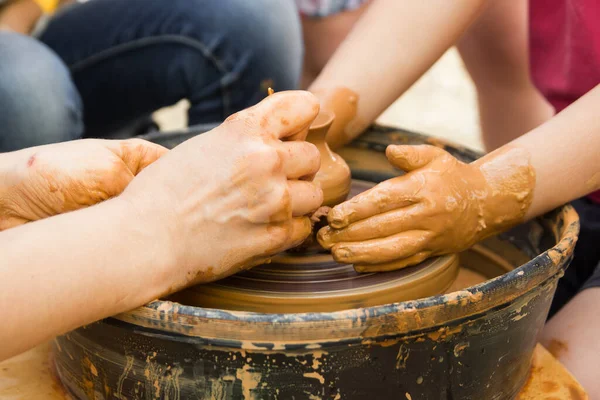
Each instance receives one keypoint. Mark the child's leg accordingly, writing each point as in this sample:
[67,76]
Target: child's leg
[495,52]
[573,336]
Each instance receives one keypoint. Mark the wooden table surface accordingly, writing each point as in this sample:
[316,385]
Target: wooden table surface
[29,376]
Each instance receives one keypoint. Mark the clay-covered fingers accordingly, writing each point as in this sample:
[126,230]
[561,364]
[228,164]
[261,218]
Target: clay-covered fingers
[301,160]
[289,234]
[306,197]
[378,226]
[393,265]
[408,158]
[281,115]
[389,195]
[137,154]
[383,250]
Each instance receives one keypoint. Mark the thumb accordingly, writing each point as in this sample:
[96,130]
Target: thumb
[409,158]
[137,154]
[281,115]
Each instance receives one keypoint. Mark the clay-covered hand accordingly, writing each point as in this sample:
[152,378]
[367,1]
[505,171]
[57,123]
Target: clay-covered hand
[439,206]
[343,103]
[43,181]
[232,197]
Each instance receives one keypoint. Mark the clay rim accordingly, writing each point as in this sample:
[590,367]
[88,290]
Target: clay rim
[323,119]
[253,330]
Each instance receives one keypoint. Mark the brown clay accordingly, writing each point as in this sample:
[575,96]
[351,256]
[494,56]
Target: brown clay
[440,206]
[343,103]
[315,283]
[318,220]
[307,279]
[334,175]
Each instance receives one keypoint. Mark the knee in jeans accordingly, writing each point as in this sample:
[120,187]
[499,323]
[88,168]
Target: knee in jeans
[39,103]
[274,34]
[260,39]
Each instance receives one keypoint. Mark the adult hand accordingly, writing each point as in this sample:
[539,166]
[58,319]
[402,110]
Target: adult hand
[343,103]
[43,181]
[439,206]
[234,196]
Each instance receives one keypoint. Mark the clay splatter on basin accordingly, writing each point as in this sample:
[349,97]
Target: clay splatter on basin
[473,343]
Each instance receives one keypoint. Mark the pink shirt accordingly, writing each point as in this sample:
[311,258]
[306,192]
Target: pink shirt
[564,38]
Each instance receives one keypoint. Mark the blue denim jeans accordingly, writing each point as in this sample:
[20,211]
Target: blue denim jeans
[99,65]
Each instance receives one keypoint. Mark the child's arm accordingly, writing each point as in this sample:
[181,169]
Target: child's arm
[443,206]
[391,46]
[565,153]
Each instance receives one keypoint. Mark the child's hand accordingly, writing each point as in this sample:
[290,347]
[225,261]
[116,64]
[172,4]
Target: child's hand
[440,206]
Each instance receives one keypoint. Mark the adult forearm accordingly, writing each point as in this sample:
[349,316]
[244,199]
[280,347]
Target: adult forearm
[80,267]
[392,45]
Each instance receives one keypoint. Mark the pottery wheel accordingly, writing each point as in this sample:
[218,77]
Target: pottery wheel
[314,282]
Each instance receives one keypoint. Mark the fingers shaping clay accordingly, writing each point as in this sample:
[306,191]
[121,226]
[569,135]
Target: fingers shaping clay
[439,206]
[334,175]
[343,103]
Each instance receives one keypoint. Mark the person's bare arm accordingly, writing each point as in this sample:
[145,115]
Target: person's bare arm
[443,206]
[390,47]
[564,154]
[572,336]
[204,210]
[495,52]
[72,269]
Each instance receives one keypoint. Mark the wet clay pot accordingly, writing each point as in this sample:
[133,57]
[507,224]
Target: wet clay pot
[334,174]
[475,343]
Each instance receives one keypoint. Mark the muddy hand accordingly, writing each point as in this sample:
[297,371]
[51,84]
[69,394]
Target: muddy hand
[343,103]
[439,206]
[233,197]
[43,181]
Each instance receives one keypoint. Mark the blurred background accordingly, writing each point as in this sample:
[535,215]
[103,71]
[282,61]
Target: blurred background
[442,103]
